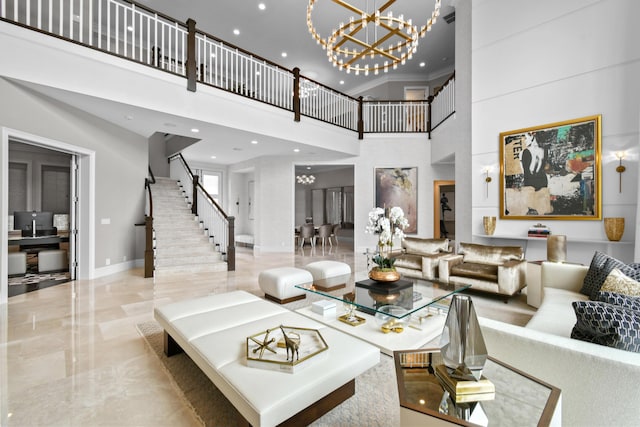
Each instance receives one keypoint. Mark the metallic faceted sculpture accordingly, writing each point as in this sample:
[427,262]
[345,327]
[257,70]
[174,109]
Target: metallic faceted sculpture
[461,345]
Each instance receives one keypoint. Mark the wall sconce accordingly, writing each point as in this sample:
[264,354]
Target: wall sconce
[487,179]
[620,155]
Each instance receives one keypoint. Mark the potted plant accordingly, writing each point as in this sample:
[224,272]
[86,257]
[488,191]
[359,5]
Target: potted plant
[387,224]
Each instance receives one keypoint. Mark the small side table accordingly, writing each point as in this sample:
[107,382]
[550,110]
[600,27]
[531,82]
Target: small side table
[519,399]
[534,283]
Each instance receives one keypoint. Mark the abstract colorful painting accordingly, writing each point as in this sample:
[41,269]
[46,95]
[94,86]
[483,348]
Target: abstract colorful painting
[552,171]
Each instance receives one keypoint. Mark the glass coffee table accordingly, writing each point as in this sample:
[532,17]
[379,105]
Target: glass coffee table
[400,315]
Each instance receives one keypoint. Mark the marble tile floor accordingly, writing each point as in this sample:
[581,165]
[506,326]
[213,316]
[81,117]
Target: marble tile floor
[71,355]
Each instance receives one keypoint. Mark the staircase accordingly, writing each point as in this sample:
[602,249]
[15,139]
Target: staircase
[181,245]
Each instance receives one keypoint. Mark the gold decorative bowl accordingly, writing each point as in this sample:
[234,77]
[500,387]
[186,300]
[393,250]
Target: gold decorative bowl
[386,275]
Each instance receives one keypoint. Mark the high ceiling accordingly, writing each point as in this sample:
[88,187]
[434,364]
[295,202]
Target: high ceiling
[280,27]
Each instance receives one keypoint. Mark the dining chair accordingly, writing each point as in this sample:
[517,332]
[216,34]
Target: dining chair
[334,232]
[324,233]
[307,231]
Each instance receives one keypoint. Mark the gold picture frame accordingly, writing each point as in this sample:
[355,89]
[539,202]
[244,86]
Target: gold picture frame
[552,171]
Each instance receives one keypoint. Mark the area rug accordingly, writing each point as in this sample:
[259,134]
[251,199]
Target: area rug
[374,404]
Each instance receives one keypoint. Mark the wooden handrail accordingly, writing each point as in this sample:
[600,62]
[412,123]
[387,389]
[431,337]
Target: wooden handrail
[190,67]
[198,185]
[446,82]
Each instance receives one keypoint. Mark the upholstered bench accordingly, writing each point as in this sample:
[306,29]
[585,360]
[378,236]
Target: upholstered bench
[16,263]
[213,331]
[329,275]
[52,260]
[278,284]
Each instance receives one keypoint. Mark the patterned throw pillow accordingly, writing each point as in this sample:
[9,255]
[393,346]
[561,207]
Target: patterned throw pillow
[591,279]
[606,324]
[621,284]
[601,265]
[624,301]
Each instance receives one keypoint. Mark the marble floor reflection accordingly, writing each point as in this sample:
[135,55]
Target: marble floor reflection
[71,355]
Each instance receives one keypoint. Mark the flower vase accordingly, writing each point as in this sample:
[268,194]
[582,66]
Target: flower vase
[384,274]
[614,227]
[489,224]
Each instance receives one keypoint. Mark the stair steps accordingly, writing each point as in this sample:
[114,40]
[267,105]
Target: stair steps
[181,245]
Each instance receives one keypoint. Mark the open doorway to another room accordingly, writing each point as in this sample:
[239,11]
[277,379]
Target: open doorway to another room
[324,195]
[41,182]
[444,209]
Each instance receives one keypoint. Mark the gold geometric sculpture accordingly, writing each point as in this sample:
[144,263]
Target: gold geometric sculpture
[371,40]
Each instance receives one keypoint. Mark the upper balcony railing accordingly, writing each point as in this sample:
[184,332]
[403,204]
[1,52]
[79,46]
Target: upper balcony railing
[139,34]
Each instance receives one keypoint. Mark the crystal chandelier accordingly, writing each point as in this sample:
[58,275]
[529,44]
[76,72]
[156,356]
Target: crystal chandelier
[372,40]
[305,179]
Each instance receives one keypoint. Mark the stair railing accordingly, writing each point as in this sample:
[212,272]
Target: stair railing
[137,33]
[219,227]
[443,103]
[149,258]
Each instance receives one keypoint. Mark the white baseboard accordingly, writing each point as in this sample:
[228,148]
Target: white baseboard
[115,268]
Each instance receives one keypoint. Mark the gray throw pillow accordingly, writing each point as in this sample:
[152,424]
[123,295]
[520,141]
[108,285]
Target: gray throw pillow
[591,279]
[624,301]
[607,324]
[600,267]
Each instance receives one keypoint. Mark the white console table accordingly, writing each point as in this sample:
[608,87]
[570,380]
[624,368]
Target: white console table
[606,246]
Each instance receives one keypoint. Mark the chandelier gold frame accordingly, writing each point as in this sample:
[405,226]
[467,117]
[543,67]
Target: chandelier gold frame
[382,57]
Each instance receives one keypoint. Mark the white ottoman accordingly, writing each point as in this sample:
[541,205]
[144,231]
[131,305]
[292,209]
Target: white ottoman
[329,275]
[52,260]
[278,284]
[16,263]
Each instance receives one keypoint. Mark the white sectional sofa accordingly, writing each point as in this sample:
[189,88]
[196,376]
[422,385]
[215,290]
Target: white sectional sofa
[599,384]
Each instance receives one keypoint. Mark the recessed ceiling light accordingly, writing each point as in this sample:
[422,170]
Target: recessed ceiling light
[262,6]
[236,32]
[341,82]
[308,168]
[254,142]
[296,150]
[422,64]
[195,130]
[284,54]
[213,157]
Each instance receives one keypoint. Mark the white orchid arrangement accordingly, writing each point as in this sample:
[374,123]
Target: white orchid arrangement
[387,227]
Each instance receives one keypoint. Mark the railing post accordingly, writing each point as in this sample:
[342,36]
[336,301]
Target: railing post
[429,101]
[231,248]
[148,249]
[194,197]
[360,119]
[296,94]
[192,72]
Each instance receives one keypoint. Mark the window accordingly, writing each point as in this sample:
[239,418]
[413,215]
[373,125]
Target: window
[211,181]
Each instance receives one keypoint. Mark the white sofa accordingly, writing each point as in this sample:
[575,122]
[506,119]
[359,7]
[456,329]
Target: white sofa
[599,384]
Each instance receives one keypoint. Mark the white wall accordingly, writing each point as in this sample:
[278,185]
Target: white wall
[120,168]
[547,61]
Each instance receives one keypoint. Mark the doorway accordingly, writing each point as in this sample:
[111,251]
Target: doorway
[444,209]
[82,211]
